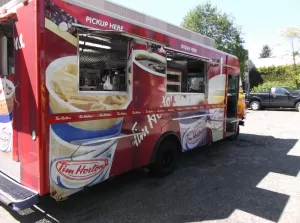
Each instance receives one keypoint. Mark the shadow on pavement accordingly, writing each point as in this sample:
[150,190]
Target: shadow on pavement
[206,186]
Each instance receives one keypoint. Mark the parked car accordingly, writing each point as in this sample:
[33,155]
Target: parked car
[276,97]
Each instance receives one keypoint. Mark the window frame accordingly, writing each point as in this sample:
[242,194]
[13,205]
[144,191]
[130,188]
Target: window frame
[93,31]
[207,64]
[282,89]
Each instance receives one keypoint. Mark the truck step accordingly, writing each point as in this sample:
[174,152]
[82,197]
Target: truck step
[15,195]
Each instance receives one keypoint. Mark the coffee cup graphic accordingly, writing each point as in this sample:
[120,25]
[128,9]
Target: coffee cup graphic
[62,85]
[81,153]
[7,98]
[74,166]
[6,139]
[192,130]
[216,89]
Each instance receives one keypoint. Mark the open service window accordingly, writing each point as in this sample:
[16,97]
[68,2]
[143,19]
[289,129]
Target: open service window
[186,74]
[7,48]
[103,59]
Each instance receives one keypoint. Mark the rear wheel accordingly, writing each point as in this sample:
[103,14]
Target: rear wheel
[255,105]
[166,159]
[298,106]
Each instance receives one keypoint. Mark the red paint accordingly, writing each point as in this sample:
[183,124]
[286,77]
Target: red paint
[27,96]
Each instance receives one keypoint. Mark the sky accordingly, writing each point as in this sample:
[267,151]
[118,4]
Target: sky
[261,20]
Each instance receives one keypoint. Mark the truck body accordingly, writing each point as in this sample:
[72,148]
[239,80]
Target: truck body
[276,97]
[91,89]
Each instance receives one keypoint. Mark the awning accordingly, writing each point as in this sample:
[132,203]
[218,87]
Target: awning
[122,33]
[5,15]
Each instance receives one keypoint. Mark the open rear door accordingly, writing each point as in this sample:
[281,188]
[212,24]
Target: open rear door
[9,158]
[12,193]
[232,105]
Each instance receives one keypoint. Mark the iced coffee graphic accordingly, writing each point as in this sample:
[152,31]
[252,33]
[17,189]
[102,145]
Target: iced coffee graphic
[216,95]
[7,97]
[81,152]
[192,124]
[149,67]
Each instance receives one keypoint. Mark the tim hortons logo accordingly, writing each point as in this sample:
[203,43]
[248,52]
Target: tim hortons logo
[81,169]
[195,135]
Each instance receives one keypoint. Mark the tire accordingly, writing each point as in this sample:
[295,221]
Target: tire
[166,159]
[298,106]
[255,105]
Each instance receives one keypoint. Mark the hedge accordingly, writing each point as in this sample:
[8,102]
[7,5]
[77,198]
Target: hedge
[278,76]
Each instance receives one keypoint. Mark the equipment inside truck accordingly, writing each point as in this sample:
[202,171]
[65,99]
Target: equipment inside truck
[102,62]
[7,47]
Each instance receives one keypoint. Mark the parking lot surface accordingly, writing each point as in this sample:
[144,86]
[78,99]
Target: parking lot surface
[253,179]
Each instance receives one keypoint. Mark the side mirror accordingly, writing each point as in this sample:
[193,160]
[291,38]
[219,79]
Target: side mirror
[287,93]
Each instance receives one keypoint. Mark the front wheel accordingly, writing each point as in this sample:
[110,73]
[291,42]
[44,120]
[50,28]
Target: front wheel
[165,159]
[255,105]
[298,106]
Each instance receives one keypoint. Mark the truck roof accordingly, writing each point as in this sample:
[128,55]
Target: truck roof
[132,16]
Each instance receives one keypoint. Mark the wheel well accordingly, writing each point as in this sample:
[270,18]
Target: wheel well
[165,136]
[255,99]
[296,103]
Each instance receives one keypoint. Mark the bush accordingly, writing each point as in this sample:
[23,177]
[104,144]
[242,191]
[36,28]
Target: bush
[267,85]
[278,76]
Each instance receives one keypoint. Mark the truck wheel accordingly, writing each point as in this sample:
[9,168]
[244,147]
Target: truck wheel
[166,159]
[298,106]
[255,105]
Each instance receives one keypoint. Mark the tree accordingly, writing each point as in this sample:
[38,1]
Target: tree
[207,20]
[266,52]
[293,35]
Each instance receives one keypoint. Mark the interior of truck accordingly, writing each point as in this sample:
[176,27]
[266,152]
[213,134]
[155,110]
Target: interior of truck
[186,73]
[102,62]
[7,47]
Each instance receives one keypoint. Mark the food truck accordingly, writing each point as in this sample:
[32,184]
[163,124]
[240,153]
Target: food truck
[90,90]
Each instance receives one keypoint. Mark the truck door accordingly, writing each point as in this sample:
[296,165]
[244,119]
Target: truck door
[232,103]
[279,97]
[9,157]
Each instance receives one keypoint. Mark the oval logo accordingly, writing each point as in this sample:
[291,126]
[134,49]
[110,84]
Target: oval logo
[195,134]
[81,169]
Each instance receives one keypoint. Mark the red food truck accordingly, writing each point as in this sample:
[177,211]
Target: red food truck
[90,90]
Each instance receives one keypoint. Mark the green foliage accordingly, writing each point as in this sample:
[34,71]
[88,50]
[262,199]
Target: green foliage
[278,76]
[207,20]
[267,85]
[266,52]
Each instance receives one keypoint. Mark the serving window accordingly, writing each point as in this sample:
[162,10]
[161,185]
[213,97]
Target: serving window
[102,62]
[186,74]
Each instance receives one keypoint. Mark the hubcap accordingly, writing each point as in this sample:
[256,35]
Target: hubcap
[255,105]
[298,107]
